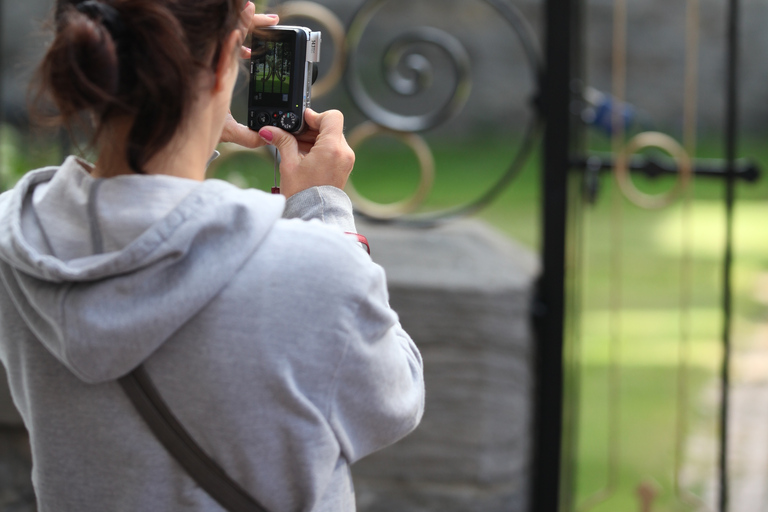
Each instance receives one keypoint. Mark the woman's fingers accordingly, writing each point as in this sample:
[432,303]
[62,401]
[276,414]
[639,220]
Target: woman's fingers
[286,144]
[329,124]
[239,134]
[246,17]
[308,136]
[318,157]
[264,20]
[250,21]
[242,136]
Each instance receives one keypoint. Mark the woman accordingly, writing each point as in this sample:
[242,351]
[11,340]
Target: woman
[264,326]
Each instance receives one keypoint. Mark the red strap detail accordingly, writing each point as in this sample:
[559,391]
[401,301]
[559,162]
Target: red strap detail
[362,240]
[275,190]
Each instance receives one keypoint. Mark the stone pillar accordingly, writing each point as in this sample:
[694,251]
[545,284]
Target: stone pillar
[463,293]
[16,492]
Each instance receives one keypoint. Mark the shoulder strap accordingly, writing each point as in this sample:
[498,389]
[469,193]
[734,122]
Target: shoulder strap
[172,434]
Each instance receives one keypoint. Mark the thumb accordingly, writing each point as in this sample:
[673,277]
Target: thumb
[284,142]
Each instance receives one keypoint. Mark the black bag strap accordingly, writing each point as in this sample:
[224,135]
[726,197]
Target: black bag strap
[172,434]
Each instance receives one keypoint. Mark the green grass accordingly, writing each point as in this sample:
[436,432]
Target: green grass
[653,310]
[647,301]
[272,86]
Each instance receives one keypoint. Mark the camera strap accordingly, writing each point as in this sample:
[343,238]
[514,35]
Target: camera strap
[171,433]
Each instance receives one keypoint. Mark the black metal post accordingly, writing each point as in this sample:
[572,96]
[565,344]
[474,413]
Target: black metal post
[550,311]
[2,104]
[731,133]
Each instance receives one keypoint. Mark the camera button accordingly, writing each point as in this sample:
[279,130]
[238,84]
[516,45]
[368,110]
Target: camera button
[289,121]
[263,118]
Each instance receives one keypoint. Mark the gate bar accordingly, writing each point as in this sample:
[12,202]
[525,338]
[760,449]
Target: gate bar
[549,311]
[731,133]
[2,75]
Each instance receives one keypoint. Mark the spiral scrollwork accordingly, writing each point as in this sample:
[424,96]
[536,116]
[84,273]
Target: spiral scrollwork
[409,71]
[418,62]
[421,72]
[400,56]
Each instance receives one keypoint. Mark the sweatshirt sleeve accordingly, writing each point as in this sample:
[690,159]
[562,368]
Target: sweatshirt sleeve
[377,396]
[327,204]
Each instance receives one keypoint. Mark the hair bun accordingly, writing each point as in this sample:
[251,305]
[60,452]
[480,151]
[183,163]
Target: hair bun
[108,15]
[139,60]
[82,63]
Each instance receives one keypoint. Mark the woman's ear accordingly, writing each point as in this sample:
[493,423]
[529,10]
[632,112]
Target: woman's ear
[226,68]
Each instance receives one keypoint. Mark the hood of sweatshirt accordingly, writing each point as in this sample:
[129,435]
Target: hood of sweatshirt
[104,271]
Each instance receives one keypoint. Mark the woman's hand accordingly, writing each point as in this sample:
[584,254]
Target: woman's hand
[319,156]
[234,131]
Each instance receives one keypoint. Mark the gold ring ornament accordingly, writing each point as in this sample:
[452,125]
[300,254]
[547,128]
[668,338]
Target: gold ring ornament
[426,163]
[666,144]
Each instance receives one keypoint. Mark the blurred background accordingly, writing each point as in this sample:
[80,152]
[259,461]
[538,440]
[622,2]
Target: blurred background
[458,83]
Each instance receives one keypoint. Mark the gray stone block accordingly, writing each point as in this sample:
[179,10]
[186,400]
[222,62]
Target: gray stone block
[9,416]
[16,491]
[463,293]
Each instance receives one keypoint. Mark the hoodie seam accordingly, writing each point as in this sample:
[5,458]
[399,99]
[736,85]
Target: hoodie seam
[67,346]
[336,381]
[322,204]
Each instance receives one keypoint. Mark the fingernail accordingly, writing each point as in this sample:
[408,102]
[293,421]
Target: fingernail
[266,135]
[273,16]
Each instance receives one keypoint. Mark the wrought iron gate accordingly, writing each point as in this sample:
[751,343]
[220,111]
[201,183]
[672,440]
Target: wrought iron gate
[567,173]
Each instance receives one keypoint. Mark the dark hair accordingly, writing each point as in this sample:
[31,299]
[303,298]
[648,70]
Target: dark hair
[138,59]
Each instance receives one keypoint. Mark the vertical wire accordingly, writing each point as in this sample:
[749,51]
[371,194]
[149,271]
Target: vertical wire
[619,80]
[573,339]
[686,280]
[732,70]
[619,71]
[579,249]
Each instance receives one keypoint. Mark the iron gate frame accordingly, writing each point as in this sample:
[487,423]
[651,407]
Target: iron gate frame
[564,52]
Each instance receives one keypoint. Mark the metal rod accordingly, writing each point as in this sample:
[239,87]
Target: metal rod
[742,169]
[2,100]
[549,311]
[731,132]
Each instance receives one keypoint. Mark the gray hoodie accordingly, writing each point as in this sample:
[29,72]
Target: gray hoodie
[270,338]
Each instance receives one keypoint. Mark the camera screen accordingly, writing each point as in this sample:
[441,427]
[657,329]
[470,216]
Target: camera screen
[273,61]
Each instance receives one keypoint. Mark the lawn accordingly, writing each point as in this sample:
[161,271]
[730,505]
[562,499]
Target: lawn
[648,306]
[273,85]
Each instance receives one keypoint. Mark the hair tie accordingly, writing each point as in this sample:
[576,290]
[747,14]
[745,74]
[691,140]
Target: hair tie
[109,16]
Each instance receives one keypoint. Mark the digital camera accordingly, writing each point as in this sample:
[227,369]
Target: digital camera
[282,73]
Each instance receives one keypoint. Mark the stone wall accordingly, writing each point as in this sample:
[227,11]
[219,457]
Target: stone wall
[463,293]
[16,492]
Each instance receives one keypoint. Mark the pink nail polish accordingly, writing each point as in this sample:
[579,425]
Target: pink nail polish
[273,16]
[266,135]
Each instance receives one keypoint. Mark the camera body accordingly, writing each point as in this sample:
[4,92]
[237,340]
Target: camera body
[282,71]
